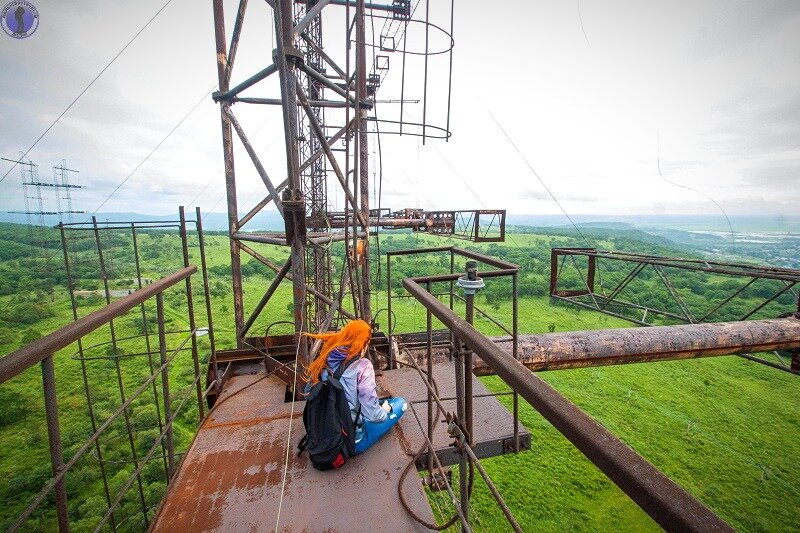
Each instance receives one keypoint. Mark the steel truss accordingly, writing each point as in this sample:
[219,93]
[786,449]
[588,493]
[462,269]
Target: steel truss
[318,86]
[576,277]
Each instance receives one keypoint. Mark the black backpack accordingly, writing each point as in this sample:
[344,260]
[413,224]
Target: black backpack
[330,432]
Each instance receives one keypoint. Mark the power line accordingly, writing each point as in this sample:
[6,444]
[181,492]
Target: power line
[658,164]
[546,188]
[580,18]
[75,100]
[162,141]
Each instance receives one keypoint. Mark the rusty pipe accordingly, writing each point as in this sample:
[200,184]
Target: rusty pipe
[578,349]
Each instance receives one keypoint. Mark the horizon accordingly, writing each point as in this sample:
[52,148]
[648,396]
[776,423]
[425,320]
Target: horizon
[705,105]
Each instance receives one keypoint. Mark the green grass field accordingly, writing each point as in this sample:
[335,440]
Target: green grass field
[724,428]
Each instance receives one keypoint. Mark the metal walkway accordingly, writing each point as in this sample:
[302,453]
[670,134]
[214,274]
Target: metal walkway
[493,423]
[230,479]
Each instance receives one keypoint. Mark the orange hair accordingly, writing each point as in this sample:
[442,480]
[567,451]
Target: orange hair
[355,336]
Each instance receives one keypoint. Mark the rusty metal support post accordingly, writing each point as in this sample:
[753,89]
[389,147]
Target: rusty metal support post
[207,294]
[54,437]
[515,349]
[230,175]
[190,312]
[452,299]
[468,359]
[590,273]
[363,154]
[162,346]
[286,57]
[460,415]
[429,369]
[553,271]
[463,376]
[392,363]
[471,284]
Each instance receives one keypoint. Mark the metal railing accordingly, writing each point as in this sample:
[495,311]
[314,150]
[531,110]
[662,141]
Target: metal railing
[464,357]
[42,352]
[667,503]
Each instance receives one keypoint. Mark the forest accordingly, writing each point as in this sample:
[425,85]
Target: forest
[702,422]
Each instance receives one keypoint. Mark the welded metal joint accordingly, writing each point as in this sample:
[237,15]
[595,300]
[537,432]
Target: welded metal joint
[294,213]
[293,55]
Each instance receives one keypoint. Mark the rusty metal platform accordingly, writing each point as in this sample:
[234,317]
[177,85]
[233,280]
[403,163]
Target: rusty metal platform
[493,423]
[230,479]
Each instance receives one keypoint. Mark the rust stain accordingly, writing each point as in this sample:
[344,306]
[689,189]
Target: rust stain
[231,477]
[250,421]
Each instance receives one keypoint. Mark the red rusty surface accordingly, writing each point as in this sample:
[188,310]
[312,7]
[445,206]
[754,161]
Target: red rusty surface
[230,479]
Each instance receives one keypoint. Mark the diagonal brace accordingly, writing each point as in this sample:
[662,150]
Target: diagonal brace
[256,161]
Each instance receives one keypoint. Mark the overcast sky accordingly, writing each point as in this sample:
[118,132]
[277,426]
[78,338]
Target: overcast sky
[715,84]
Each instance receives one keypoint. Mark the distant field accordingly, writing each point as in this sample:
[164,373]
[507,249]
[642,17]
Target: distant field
[724,428]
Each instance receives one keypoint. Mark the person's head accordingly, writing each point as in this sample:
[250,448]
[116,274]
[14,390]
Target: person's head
[353,338]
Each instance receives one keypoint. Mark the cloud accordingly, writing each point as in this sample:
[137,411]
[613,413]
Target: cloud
[732,26]
[779,175]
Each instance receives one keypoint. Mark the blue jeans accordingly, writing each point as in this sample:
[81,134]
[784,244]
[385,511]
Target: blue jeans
[370,432]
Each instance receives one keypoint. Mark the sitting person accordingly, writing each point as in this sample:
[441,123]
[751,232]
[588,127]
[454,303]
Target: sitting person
[372,417]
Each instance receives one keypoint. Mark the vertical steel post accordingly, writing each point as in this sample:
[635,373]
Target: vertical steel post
[162,346]
[469,300]
[452,300]
[230,175]
[146,328]
[553,271]
[363,154]
[461,416]
[190,312]
[294,192]
[515,349]
[85,376]
[118,368]
[207,293]
[431,411]
[54,437]
[392,363]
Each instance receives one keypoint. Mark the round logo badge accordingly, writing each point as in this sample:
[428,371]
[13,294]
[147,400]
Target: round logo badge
[19,19]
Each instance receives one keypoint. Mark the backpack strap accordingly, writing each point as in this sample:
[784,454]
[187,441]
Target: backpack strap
[302,445]
[345,366]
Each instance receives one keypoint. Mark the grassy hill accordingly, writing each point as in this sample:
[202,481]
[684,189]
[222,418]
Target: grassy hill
[723,428]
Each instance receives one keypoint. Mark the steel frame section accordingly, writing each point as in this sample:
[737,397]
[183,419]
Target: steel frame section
[611,303]
[43,350]
[75,267]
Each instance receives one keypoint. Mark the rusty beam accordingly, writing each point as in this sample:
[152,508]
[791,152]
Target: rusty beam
[276,281]
[230,173]
[273,193]
[275,268]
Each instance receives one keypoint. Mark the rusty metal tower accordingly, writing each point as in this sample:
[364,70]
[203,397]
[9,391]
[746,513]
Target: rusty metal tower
[328,102]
